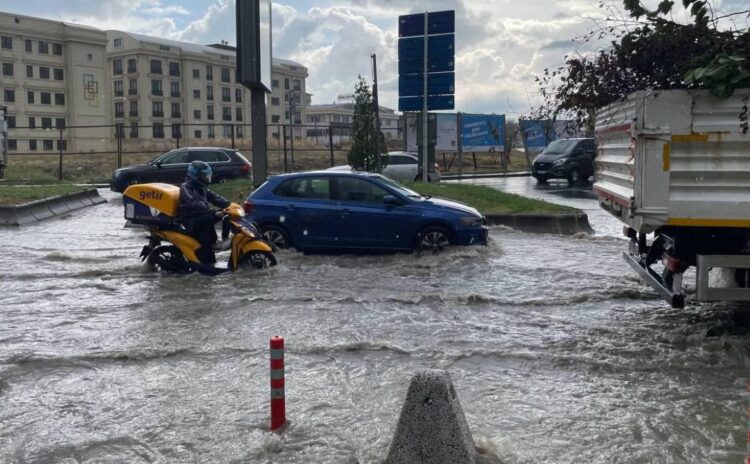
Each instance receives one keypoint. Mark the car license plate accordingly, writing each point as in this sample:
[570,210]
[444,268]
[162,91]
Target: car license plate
[541,172]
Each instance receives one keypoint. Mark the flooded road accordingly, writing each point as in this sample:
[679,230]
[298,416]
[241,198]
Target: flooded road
[557,352]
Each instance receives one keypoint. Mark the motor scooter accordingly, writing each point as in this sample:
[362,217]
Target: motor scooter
[155,207]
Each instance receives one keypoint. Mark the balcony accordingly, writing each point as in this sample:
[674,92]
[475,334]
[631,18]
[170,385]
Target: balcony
[210,98]
[157,93]
[175,94]
[116,71]
[132,70]
[155,70]
[226,118]
[133,114]
[174,73]
[119,114]
[132,91]
[158,114]
[226,99]
[177,115]
[210,117]
[118,93]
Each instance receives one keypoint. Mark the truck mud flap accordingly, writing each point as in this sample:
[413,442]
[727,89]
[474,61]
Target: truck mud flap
[676,300]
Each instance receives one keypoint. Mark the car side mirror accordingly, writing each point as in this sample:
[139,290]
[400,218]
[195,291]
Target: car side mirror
[391,200]
[158,164]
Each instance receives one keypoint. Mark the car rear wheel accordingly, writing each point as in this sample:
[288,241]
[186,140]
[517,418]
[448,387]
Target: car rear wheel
[433,239]
[277,236]
[574,178]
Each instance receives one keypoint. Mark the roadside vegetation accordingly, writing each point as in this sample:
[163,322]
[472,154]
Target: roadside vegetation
[13,195]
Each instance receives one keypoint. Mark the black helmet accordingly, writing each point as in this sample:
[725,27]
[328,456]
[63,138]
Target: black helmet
[200,171]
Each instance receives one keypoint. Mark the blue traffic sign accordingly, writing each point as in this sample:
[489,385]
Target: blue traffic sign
[437,84]
[438,64]
[438,22]
[413,48]
[435,102]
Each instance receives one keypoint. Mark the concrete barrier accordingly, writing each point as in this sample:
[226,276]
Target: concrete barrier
[563,224]
[47,208]
[432,427]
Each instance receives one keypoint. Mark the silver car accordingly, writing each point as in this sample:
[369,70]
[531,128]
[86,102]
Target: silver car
[402,166]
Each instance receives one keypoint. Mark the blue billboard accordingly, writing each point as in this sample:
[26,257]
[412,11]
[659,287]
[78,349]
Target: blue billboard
[482,132]
[538,133]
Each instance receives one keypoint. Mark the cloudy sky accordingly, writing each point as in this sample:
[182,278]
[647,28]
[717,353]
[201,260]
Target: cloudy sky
[501,44]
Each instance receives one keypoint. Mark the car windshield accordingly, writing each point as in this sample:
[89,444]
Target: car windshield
[559,146]
[398,187]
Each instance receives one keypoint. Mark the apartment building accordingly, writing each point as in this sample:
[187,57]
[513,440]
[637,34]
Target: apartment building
[52,76]
[318,119]
[164,90]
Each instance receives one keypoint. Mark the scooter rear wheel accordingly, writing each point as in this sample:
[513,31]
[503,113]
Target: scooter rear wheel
[169,258]
[258,260]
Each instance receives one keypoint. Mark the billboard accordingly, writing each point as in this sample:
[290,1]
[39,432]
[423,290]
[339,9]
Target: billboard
[482,132]
[538,133]
[447,135]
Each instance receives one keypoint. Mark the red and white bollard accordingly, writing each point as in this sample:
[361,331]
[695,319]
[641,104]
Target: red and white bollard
[278,401]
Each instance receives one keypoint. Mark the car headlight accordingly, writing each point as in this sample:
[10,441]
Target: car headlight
[560,162]
[471,221]
[116,174]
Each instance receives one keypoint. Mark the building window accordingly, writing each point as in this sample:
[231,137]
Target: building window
[238,114]
[30,96]
[176,113]
[210,112]
[196,94]
[32,122]
[12,145]
[46,123]
[158,130]
[90,57]
[297,85]
[176,132]
[32,145]
[157,109]
[174,89]
[133,108]
[226,94]
[6,42]
[117,66]
[211,132]
[60,123]
[226,113]
[62,145]
[43,48]
[47,145]
[118,89]
[209,73]
[197,114]
[275,118]
[156,66]
[9,95]
[226,130]
[57,49]
[133,87]
[30,72]
[275,83]
[238,95]
[286,116]
[119,110]
[286,83]
[8,69]
[275,101]
[196,73]
[133,129]
[11,120]
[174,69]
[164,48]
[197,134]
[225,75]
[45,98]
[132,66]
[59,99]
[27,46]
[209,92]
[43,72]
[156,87]
[118,43]
[59,74]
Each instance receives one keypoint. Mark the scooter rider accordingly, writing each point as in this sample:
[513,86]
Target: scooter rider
[195,212]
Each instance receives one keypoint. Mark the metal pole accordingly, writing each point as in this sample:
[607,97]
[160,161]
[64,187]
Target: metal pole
[378,160]
[60,147]
[330,141]
[425,138]
[460,143]
[120,136]
[259,134]
[232,131]
[178,133]
[286,168]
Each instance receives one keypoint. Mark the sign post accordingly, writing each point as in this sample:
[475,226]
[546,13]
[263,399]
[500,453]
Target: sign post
[426,53]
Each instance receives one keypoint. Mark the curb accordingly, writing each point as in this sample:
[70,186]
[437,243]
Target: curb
[488,175]
[40,210]
[562,224]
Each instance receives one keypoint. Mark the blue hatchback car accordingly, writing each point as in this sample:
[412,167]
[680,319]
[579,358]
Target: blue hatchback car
[345,211]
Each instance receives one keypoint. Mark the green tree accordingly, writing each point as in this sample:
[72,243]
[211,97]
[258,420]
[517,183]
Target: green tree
[649,50]
[363,154]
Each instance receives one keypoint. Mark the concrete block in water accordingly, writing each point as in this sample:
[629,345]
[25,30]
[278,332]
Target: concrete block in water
[432,427]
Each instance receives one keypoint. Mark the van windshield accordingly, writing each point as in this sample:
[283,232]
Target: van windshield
[559,147]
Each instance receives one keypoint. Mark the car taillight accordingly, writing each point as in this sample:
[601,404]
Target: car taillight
[437,167]
[248,206]
[245,168]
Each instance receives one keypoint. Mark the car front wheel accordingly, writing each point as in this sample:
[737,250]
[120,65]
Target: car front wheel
[433,239]
[277,236]
[574,178]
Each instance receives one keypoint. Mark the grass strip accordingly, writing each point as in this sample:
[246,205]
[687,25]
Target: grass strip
[12,195]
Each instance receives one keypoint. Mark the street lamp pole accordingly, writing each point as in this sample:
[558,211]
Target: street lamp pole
[378,160]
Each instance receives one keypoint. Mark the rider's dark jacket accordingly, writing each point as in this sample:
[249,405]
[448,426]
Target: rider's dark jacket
[195,201]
